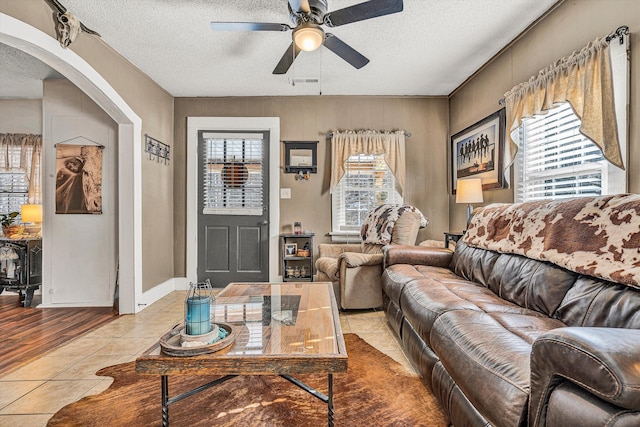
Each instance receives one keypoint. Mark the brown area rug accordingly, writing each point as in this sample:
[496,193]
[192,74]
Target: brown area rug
[375,391]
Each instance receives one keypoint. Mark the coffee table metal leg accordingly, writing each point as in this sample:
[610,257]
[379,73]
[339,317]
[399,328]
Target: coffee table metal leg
[165,400]
[330,400]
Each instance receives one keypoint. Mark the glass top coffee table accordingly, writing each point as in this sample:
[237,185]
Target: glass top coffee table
[281,329]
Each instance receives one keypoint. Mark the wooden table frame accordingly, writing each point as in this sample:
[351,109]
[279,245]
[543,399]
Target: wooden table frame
[230,365]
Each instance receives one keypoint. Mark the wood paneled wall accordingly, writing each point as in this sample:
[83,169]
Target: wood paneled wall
[310,118]
[570,27]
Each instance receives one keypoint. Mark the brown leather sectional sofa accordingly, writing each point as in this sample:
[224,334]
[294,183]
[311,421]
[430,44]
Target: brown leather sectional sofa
[505,340]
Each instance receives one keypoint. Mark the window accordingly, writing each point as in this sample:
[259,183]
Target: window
[233,179]
[13,191]
[367,182]
[556,161]
[14,184]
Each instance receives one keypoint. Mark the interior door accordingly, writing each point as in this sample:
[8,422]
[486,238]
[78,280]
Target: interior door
[233,214]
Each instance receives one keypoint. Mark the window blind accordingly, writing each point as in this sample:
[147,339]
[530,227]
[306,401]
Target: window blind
[557,161]
[233,176]
[368,182]
[14,185]
[13,191]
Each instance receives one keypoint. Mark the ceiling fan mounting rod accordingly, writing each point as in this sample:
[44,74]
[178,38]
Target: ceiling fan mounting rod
[301,18]
[315,13]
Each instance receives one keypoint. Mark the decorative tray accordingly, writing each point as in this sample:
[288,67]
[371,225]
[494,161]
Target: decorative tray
[170,342]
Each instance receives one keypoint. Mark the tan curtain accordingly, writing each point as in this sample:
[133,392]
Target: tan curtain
[584,79]
[23,152]
[350,143]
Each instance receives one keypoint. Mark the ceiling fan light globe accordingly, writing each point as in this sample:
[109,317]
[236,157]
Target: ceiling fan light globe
[308,37]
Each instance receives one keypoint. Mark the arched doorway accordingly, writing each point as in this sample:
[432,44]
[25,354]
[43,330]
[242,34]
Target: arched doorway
[31,40]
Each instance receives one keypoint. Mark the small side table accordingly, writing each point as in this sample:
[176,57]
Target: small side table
[290,246]
[452,236]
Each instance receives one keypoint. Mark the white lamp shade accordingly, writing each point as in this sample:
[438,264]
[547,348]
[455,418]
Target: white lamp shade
[31,213]
[469,191]
[308,37]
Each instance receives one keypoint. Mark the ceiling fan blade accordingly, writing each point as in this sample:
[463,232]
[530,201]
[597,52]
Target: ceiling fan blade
[248,26]
[345,51]
[300,6]
[360,12]
[287,59]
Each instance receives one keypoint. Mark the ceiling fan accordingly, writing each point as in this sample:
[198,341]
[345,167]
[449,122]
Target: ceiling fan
[308,16]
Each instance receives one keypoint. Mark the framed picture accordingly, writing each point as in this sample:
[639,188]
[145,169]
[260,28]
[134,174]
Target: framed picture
[78,179]
[290,249]
[478,152]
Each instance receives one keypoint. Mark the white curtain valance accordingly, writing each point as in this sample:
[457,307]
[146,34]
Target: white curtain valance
[584,79]
[350,143]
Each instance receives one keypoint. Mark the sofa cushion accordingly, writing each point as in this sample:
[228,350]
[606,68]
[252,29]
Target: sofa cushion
[593,412]
[592,302]
[407,226]
[423,301]
[488,358]
[405,232]
[381,224]
[397,276]
[370,248]
[540,286]
[473,264]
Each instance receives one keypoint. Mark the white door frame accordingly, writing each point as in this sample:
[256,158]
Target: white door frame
[22,36]
[195,124]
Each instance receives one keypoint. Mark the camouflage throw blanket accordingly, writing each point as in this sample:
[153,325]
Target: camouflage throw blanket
[378,226]
[595,236]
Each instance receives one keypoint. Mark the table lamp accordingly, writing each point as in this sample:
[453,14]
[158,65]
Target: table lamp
[32,214]
[469,191]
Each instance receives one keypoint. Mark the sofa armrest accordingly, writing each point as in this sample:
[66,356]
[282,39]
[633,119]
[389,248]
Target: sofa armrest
[352,259]
[416,255]
[332,250]
[603,361]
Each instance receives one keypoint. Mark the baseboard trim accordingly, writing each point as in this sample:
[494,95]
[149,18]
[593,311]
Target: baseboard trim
[147,298]
[154,294]
[76,304]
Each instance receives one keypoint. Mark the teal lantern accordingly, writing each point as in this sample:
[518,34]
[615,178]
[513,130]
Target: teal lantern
[197,308]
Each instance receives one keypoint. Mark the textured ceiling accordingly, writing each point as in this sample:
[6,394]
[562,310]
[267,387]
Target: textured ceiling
[428,49]
[21,74]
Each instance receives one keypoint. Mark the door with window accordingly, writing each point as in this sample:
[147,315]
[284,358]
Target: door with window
[233,215]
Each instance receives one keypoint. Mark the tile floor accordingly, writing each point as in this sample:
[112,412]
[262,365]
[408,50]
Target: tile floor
[30,395]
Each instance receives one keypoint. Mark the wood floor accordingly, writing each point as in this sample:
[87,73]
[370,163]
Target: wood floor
[28,333]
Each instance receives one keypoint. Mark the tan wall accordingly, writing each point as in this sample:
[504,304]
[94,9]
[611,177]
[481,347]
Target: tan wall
[155,106]
[21,116]
[568,28]
[310,118]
